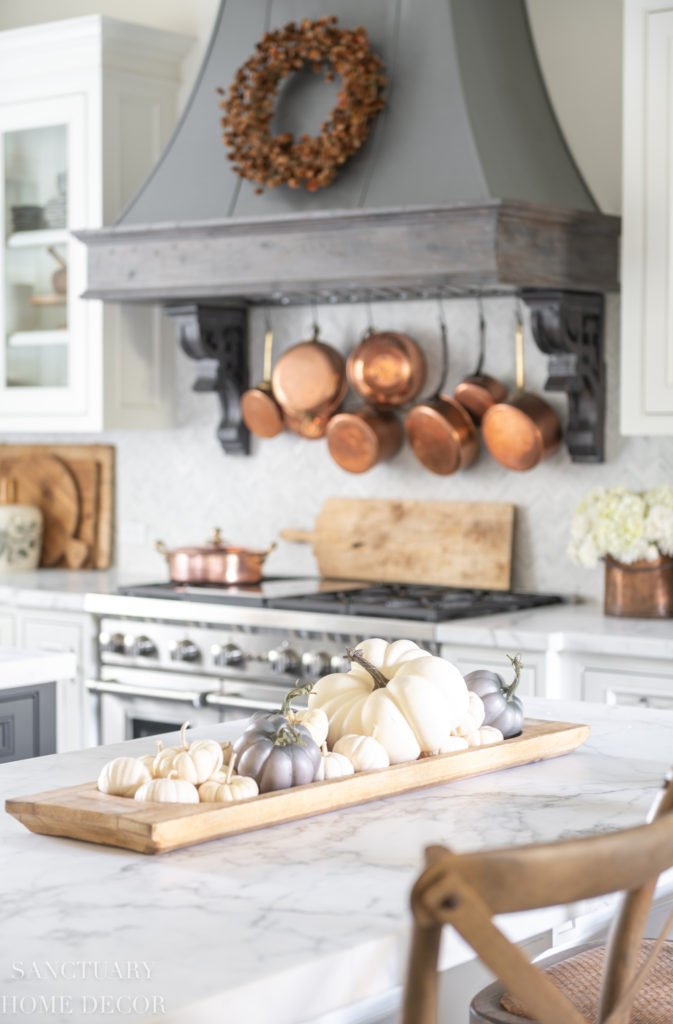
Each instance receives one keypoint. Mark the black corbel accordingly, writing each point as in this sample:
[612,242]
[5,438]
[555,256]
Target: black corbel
[217,337]
[568,327]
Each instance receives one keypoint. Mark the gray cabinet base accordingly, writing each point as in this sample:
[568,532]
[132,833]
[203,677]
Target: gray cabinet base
[27,722]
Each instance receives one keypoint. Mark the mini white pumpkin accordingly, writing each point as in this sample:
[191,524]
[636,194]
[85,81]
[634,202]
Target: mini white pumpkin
[475,716]
[164,759]
[193,762]
[412,699]
[148,760]
[454,743]
[333,765]
[484,736]
[363,752]
[227,788]
[171,790]
[123,776]
[314,719]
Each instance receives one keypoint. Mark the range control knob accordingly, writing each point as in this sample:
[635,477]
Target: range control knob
[340,663]
[141,647]
[315,664]
[185,650]
[113,643]
[284,661]
[227,654]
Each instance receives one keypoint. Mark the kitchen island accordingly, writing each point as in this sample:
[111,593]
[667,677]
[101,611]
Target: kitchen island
[299,922]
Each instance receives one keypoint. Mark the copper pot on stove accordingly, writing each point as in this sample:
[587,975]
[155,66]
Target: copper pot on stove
[215,562]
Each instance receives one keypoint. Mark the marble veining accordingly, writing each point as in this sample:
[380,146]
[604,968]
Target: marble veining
[290,922]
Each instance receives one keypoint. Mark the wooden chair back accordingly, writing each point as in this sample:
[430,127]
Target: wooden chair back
[466,890]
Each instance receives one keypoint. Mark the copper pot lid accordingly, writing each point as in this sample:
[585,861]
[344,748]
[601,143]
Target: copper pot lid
[308,376]
[357,441]
[442,435]
[261,412]
[214,545]
[387,368]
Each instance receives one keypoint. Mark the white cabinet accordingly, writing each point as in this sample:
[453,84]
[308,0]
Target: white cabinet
[605,679]
[647,235]
[62,631]
[86,106]
[533,676]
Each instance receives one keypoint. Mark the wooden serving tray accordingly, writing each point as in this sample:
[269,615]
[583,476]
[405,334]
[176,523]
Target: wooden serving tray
[81,812]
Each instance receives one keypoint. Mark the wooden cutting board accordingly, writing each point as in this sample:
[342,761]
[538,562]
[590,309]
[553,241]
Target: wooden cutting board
[450,543]
[93,469]
[46,481]
[81,812]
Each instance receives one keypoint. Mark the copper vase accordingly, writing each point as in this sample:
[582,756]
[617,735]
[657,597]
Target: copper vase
[642,590]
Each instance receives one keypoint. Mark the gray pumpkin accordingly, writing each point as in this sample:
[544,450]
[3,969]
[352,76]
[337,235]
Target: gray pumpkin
[504,709]
[276,754]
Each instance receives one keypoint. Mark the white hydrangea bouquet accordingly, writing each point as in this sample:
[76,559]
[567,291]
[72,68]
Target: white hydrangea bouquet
[628,526]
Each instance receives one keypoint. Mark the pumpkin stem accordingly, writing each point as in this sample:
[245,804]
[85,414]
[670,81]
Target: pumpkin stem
[516,663]
[379,679]
[287,736]
[183,730]
[230,771]
[298,691]
[323,750]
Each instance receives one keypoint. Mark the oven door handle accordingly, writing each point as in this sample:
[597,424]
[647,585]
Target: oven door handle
[194,697]
[233,701]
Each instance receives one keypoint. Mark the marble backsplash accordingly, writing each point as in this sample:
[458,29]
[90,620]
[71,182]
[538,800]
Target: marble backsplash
[177,484]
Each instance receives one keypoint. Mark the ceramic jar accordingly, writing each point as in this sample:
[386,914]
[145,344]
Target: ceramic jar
[20,531]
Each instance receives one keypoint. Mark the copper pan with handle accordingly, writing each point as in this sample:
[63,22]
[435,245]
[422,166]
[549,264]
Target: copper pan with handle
[525,429]
[309,383]
[440,431]
[387,368]
[357,441]
[261,412]
[480,391]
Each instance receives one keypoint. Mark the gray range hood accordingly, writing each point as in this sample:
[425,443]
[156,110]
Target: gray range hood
[465,180]
[464,183]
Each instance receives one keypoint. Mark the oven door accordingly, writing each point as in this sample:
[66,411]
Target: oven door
[131,703]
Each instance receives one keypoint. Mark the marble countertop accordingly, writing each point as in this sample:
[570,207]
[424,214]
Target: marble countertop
[20,667]
[292,922]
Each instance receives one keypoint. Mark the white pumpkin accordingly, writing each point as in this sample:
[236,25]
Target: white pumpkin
[227,788]
[313,719]
[171,790]
[148,760]
[474,719]
[484,736]
[193,762]
[363,752]
[123,776]
[455,743]
[413,700]
[333,765]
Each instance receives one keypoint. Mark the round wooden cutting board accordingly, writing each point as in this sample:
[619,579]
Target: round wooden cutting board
[46,481]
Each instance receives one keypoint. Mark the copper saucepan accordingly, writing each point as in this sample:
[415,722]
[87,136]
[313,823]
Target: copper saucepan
[480,391]
[309,382]
[441,433]
[214,562]
[358,440]
[525,429]
[387,368]
[261,412]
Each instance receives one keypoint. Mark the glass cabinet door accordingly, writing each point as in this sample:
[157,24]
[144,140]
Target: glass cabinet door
[35,171]
[41,362]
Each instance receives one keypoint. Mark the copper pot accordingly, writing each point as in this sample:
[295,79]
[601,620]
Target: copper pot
[480,391]
[387,368]
[214,562]
[309,379]
[310,425]
[525,429]
[261,412]
[642,590]
[358,440]
[441,433]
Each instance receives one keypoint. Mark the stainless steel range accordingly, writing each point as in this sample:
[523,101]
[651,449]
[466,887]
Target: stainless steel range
[168,653]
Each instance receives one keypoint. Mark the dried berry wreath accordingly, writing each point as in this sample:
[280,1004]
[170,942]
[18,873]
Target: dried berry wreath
[311,161]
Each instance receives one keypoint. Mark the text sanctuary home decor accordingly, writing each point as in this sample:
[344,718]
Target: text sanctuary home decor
[311,162]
